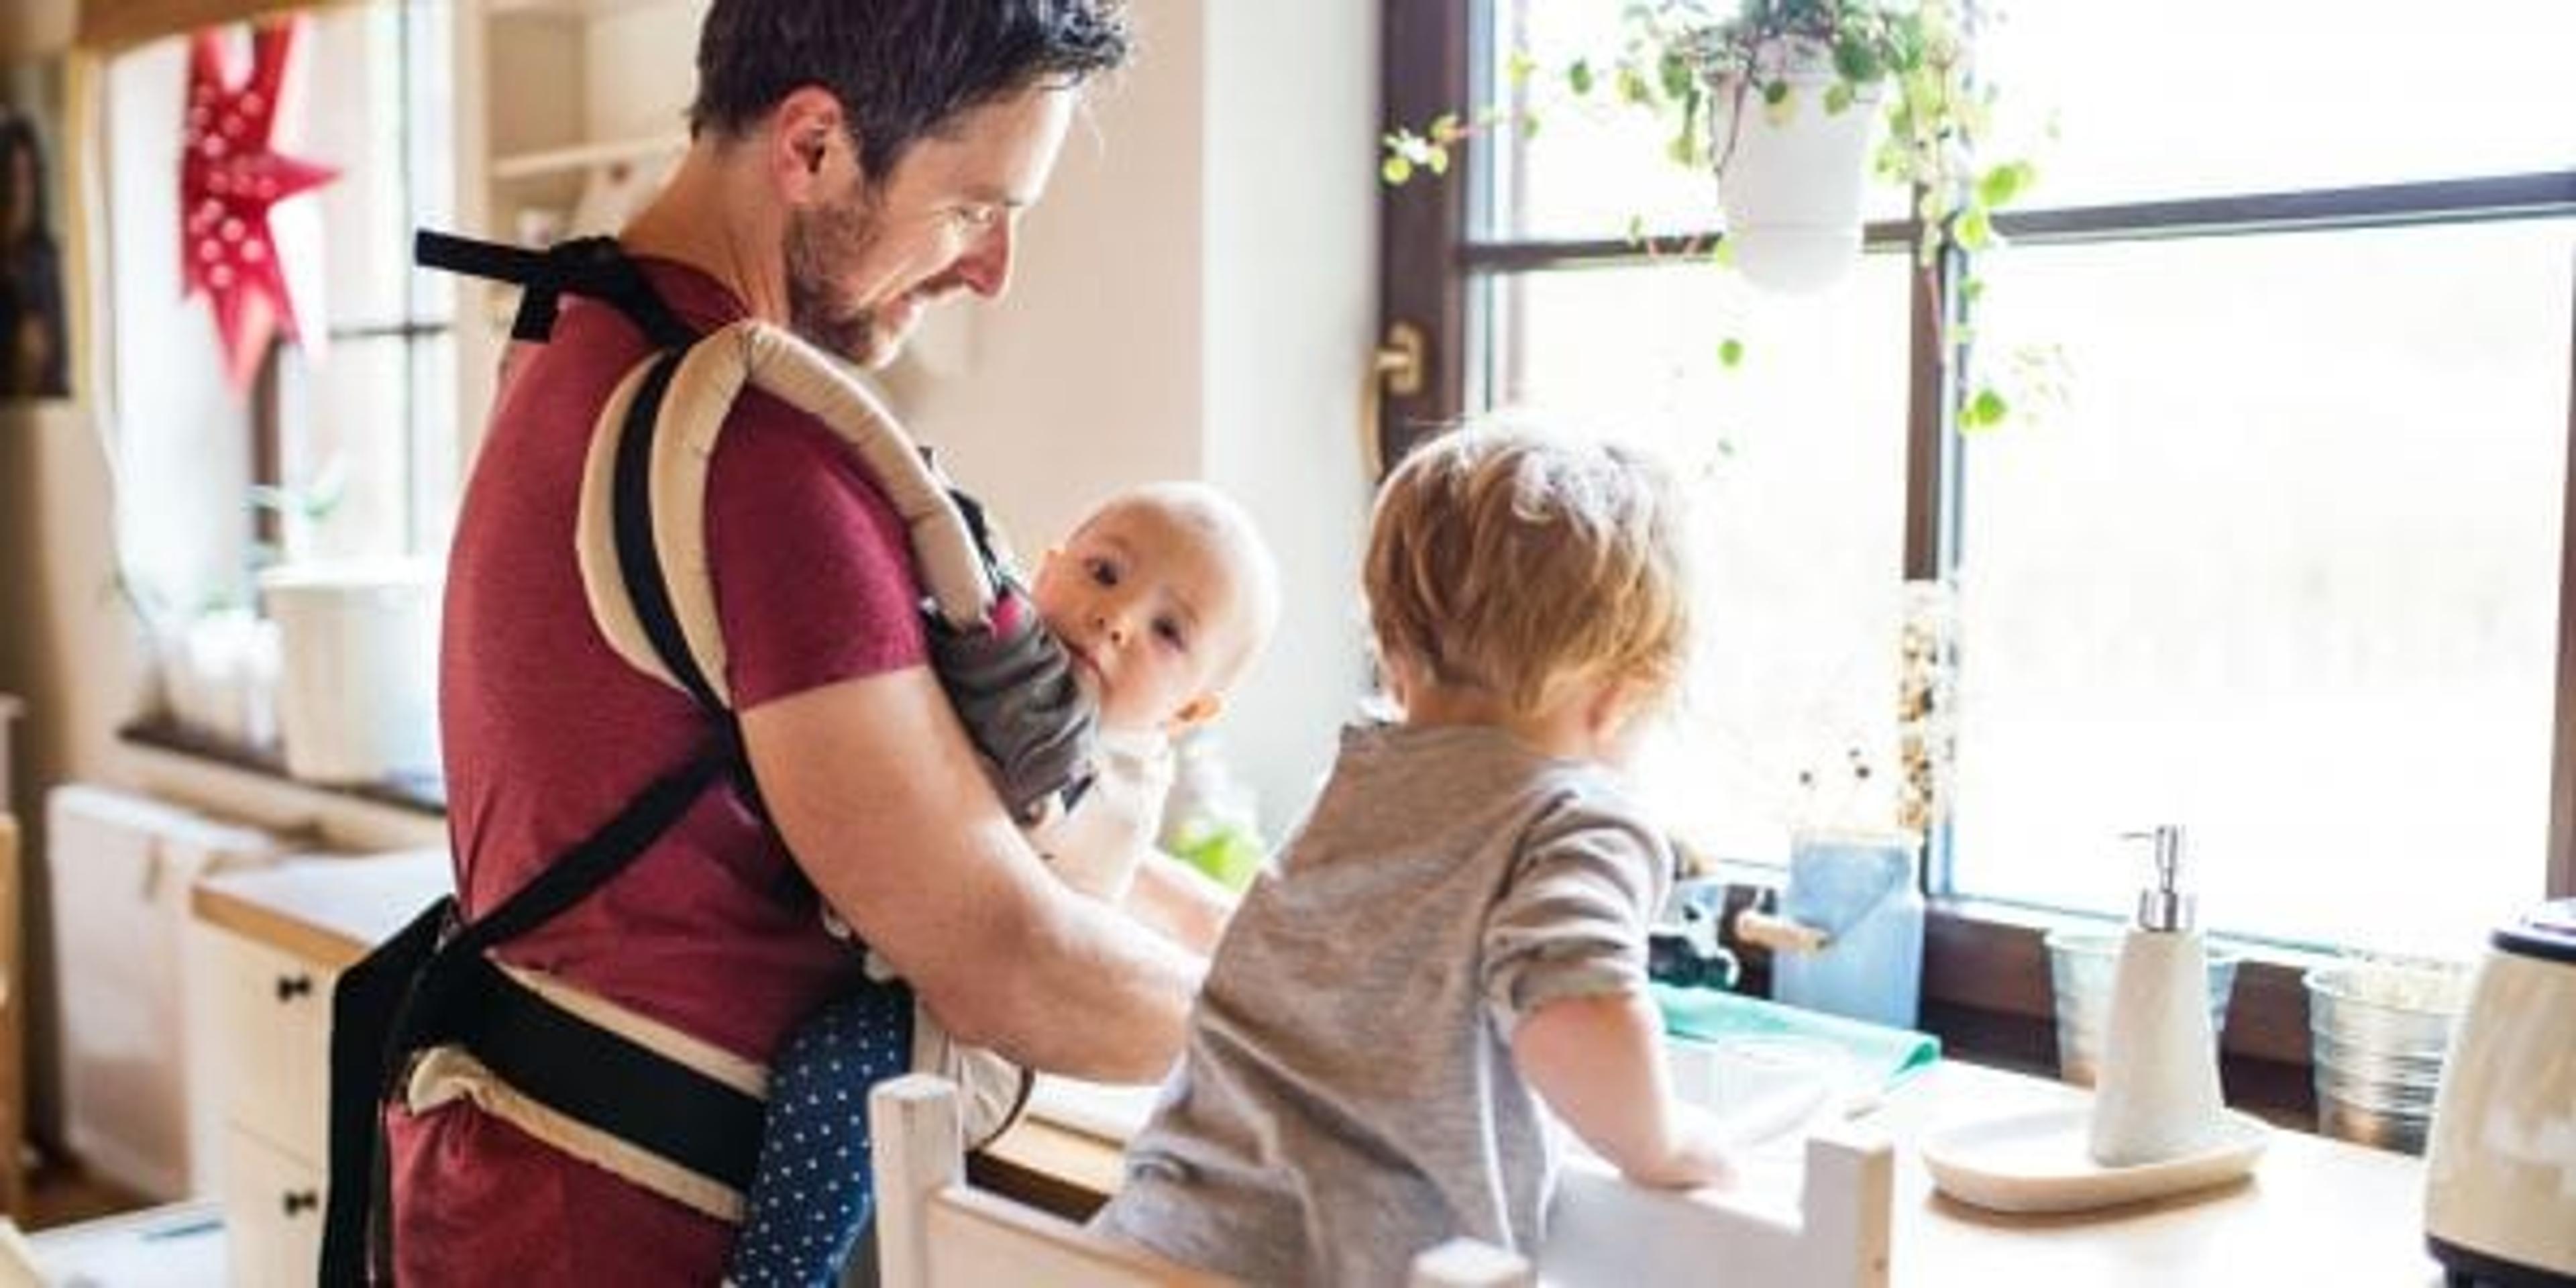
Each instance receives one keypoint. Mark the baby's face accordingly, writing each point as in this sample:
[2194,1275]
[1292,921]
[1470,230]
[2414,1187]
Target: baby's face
[1149,605]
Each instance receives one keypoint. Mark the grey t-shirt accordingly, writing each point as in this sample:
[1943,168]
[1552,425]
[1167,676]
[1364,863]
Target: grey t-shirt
[1348,1097]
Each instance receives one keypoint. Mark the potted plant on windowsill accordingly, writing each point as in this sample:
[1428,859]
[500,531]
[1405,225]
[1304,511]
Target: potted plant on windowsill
[1780,100]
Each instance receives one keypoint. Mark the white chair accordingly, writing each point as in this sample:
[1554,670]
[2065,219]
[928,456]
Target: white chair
[1603,1231]
[933,1231]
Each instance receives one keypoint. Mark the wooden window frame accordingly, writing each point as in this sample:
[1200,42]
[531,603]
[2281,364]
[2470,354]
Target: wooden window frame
[1985,971]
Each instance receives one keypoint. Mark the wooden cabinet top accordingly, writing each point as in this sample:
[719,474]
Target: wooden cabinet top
[329,910]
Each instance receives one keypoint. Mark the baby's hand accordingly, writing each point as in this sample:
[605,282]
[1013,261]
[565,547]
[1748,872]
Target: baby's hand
[1015,691]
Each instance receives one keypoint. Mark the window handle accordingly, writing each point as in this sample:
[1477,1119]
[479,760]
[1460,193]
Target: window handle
[1397,368]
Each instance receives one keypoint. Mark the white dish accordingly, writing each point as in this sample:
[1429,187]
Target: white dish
[2043,1162]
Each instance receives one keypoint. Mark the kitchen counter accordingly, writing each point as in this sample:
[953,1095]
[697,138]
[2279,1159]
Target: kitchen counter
[2315,1210]
[327,910]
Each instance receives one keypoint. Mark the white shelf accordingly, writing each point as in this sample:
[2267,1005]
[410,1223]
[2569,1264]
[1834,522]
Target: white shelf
[585,156]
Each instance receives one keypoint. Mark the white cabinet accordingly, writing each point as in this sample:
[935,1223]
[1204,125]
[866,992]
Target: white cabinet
[265,949]
[269,1017]
[121,868]
[569,113]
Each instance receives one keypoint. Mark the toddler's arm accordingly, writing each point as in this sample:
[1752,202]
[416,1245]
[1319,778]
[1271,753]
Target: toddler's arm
[1598,1062]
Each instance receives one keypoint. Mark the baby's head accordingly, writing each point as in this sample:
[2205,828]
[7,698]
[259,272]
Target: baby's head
[1164,595]
[1505,566]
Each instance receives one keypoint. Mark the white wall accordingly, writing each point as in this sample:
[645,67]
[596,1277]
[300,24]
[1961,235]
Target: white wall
[1194,299]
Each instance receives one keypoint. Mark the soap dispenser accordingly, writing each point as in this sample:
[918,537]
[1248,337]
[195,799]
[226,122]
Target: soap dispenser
[2157,1096]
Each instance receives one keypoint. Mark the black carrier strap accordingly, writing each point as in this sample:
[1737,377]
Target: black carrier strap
[592,266]
[433,984]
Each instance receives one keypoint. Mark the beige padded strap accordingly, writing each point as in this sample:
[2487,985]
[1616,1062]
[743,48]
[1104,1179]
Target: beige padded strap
[595,540]
[448,1073]
[710,377]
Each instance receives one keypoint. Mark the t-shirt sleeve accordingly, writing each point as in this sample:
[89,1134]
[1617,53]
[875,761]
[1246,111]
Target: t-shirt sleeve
[1573,918]
[813,573]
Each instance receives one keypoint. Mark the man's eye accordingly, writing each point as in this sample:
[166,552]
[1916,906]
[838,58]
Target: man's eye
[976,218]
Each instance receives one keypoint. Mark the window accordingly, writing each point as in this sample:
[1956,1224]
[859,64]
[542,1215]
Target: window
[2283,566]
[356,427]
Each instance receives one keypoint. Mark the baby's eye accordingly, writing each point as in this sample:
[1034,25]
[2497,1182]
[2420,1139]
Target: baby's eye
[1103,572]
[1170,632]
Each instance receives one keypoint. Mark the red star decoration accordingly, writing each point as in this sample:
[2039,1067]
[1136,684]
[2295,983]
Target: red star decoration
[229,177]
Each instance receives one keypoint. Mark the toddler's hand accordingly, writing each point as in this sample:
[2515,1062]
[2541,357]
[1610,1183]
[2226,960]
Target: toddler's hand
[1702,1153]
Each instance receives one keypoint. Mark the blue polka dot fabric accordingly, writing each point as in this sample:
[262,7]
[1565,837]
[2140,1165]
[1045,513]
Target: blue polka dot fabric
[812,1195]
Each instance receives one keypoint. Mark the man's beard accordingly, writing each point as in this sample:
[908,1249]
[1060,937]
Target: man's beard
[818,242]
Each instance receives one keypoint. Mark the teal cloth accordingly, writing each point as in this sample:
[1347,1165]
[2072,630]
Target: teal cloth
[1709,1015]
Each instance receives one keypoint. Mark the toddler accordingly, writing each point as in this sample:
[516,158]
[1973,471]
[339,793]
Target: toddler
[1457,932]
[1161,598]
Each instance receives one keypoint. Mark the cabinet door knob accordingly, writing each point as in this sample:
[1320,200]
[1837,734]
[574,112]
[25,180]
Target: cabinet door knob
[301,1201]
[290,987]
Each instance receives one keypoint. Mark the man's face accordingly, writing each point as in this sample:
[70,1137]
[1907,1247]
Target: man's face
[864,262]
[1152,611]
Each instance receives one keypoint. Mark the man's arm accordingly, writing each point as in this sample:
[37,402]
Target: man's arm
[883,803]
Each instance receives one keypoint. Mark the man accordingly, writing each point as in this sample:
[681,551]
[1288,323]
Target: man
[853,162]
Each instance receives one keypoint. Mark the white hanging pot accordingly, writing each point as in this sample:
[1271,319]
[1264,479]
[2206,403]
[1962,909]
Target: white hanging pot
[1789,178]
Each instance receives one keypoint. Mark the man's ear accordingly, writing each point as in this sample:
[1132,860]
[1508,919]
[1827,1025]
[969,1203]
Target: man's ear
[1195,712]
[806,129]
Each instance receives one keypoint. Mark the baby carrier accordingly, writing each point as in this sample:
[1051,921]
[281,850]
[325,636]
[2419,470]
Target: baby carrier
[430,1016]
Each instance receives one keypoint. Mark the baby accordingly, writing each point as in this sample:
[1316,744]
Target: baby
[1457,932]
[1161,598]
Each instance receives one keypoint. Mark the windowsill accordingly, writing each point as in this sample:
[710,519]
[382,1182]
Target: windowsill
[1988,997]
[424,794]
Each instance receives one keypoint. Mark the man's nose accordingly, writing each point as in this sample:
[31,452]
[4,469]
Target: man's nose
[986,266]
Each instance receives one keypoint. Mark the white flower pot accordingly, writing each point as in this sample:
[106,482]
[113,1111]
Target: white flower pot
[358,674]
[1789,179]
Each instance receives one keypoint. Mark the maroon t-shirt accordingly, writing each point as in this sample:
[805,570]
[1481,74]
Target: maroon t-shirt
[548,733]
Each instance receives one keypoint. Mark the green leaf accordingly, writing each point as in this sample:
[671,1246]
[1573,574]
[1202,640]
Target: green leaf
[1578,76]
[2004,183]
[1723,254]
[1975,229]
[1838,98]
[1675,72]
[1633,87]
[1444,127]
[1856,62]
[1730,352]
[1984,411]
[1636,230]
[1518,67]
[1394,171]
[1438,161]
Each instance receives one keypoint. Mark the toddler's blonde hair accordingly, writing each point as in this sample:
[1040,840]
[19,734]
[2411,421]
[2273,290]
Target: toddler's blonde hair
[1507,562]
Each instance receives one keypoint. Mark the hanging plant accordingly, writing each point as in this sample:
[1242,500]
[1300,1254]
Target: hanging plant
[1729,83]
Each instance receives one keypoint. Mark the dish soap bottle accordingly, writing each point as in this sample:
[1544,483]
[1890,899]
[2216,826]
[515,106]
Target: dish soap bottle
[2158,1096]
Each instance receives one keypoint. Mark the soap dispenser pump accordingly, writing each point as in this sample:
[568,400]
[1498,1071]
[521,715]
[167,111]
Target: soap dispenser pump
[2157,1096]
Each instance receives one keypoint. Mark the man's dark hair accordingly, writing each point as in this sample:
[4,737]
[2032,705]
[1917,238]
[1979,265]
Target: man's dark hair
[903,69]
